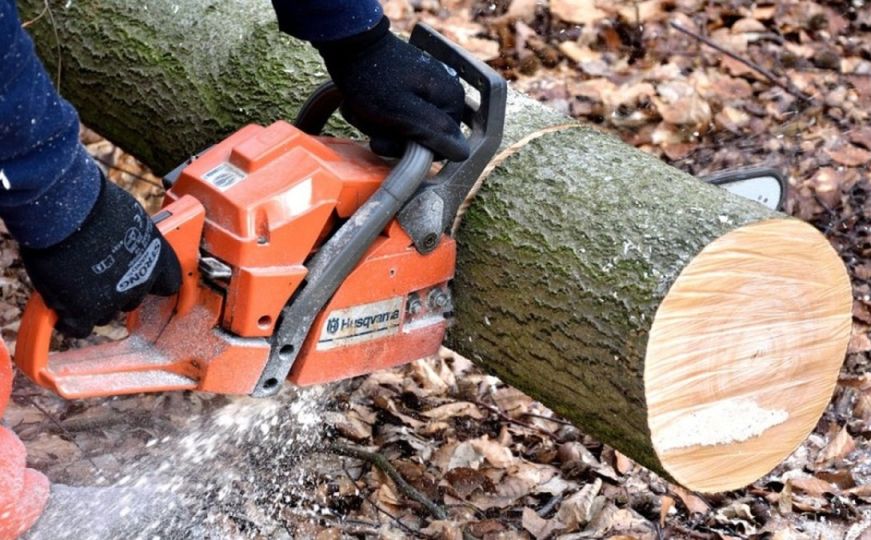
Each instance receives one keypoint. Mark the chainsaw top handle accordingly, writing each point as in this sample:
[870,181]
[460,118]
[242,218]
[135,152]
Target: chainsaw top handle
[433,209]
[424,208]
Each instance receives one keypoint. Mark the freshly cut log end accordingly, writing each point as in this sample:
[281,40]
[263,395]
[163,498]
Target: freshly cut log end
[744,353]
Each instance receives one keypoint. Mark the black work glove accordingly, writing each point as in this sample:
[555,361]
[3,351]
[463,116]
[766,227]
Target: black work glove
[395,92]
[108,264]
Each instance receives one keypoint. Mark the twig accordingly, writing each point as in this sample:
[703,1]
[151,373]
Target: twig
[135,176]
[549,419]
[788,86]
[355,526]
[550,505]
[692,533]
[60,60]
[42,13]
[404,487]
[71,437]
[395,519]
[381,462]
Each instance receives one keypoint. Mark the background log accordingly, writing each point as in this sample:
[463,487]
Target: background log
[696,332]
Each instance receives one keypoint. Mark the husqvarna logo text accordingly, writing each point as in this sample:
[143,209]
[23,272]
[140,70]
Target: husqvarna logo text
[363,322]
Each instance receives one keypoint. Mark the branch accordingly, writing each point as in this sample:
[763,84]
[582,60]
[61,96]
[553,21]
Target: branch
[404,487]
[381,462]
[788,86]
[395,519]
[66,432]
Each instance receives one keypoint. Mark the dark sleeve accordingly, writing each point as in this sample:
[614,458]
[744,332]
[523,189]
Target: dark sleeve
[48,183]
[326,20]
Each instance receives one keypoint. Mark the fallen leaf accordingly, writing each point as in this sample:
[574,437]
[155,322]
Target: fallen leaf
[522,9]
[826,183]
[623,521]
[859,340]
[538,526]
[386,495]
[738,516]
[861,311]
[466,481]
[694,503]
[732,119]
[443,530]
[623,464]
[512,401]
[860,491]
[455,409]
[631,105]
[841,445]
[428,378]
[483,48]
[861,136]
[763,13]
[679,103]
[665,505]
[742,26]
[862,408]
[487,528]
[812,486]
[842,478]
[849,155]
[387,404]
[474,452]
[578,510]
[647,11]
[578,53]
[576,11]
[329,534]
[495,453]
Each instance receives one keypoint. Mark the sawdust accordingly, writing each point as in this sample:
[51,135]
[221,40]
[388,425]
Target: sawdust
[723,422]
[223,464]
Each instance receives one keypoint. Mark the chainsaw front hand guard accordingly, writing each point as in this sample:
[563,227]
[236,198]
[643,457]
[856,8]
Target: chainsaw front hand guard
[433,208]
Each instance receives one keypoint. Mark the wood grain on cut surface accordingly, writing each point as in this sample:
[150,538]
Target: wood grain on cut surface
[744,353]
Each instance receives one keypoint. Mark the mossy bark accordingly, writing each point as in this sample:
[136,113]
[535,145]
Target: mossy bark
[564,256]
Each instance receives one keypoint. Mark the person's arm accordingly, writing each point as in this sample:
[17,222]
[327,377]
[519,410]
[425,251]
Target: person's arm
[49,184]
[393,91]
[323,20]
[88,246]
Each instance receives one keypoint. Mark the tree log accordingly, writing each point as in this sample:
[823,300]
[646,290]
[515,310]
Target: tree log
[698,333]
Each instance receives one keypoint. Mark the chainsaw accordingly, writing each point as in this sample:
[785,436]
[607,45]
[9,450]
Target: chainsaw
[304,257]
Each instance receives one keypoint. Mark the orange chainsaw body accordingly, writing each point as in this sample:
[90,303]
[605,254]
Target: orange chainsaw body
[243,219]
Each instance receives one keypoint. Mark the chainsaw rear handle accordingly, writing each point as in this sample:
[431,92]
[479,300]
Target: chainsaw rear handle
[431,212]
[181,223]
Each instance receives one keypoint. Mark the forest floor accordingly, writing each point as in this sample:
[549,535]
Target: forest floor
[792,91]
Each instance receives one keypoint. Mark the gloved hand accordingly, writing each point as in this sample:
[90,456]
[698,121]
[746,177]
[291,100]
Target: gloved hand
[394,92]
[108,264]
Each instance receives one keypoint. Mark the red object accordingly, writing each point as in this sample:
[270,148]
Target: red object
[23,491]
[259,204]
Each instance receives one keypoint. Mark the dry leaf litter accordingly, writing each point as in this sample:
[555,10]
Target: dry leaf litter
[795,93]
